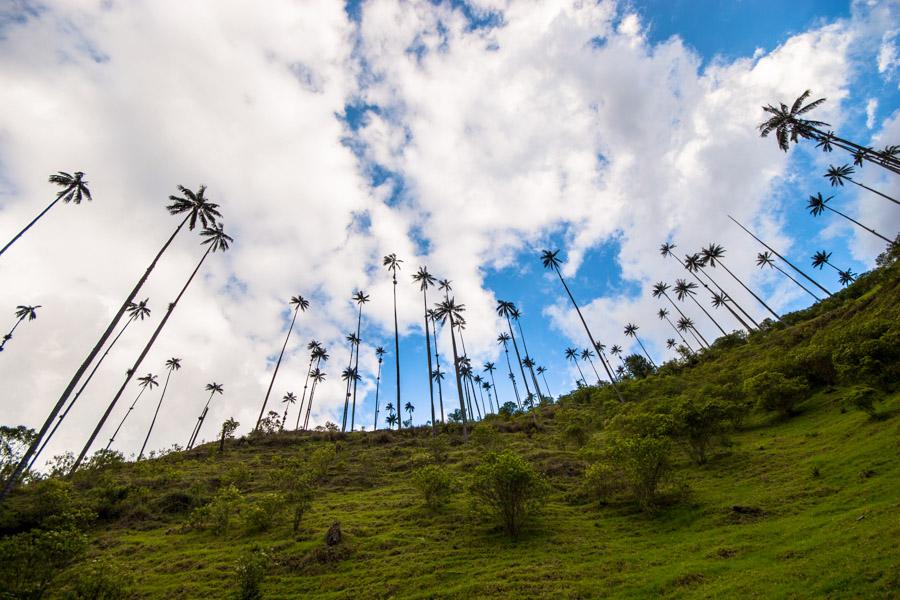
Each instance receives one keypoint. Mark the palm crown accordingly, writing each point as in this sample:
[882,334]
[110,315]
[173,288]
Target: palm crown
[836,175]
[712,253]
[299,302]
[199,207]
[662,313]
[786,122]
[631,329]
[148,380]
[215,388]
[74,187]
[571,353]
[139,310]
[685,323]
[666,248]
[392,263]
[173,364]
[816,204]
[659,289]
[550,259]
[423,278]
[684,288]
[820,259]
[360,297]
[764,259]
[216,238]
[23,311]
[289,398]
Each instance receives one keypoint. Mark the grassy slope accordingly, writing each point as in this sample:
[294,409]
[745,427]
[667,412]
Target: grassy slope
[835,534]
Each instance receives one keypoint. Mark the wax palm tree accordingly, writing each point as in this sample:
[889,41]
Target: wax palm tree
[686,289]
[601,354]
[379,354]
[215,240]
[712,255]
[540,371]
[821,258]
[685,324]
[74,190]
[670,343]
[391,418]
[507,309]
[550,260]
[504,338]
[318,376]
[790,127]
[287,400]
[764,259]
[392,264]
[172,365]
[348,375]
[360,298]
[486,386]
[22,313]
[616,350]
[664,314]
[145,382]
[465,373]
[631,331]
[299,303]
[448,310]
[818,205]
[838,175]
[620,370]
[409,408]
[587,355]
[478,381]
[572,354]
[312,346]
[517,317]
[429,314]
[660,289]
[213,389]
[321,355]
[438,376]
[425,279]
[489,368]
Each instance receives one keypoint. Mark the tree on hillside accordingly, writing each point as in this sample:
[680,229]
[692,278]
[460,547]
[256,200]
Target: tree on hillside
[489,368]
[572,354]
[764,259]
[392,264]
[528,360]
[712,256]
[213,389]
[587,355]
[299,303]
[448,310]
[379,354]
[686,289]
[503,339]
[425,279]
[409,408]
[360,298]
[437,360]
[172,365]
[821,258]
[631,331]
[540,371]
[349,375]
[664,314]
[145,382]
[312,346]
[318,377]
[22,313]
[818,205]
[287,400]
[506,309]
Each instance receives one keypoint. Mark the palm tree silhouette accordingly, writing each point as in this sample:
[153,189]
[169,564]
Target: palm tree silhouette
[572,354]
[351,376]
[587,354]
[438,375]
[503,338]
[287,400]
[379,353]
[147,381]
[318,376]
[465,373]
[213,388]
[425,279]
[489,368]
[764,259]
[299,303]
[528,362]
[478,381]
[616,350]
[540,371]
[448,310]
[506,309]
[552,261]
[360,298]
[198,209]
[22,312]
[429,314]
[838,175]
[173,364]
[685,289]
[215,240]
[789,127]
[601,354]
[312,346]
[74,189]
[660,288]
[321,355]
[821,258]
[664,314]
[348,375]
[391,418]
[486,386]
[392,264]
[685,324]
[409,408]
[818,205]
[712,256]
[631,331]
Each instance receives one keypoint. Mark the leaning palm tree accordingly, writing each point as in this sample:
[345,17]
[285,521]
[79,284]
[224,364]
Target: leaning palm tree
[528,362]
[486,386]
[438,376]
[465,374]
[313,346]
[379,353]
[489,368]
[318,376]
[616,350]
[601,354]
[503,338]
[392,264]
[790,127]
[540,371]
[74,189]
[818,205]
[448,310]
[664,314]
[631,331]
[477,379]
[216,240]
[347,375]
[588,355]
[173,364]
[572,354]
[425,279]
[351,376]
[287,400]
[552,261]
[712,255]
[147,381]
[213,389]
[838,175]
[821,258]
[196,208]
[429,314]
[299,303]
[507,309]
[686,289]
[686,324]
[764,259]
[22,313]
[660,289]
[360,298]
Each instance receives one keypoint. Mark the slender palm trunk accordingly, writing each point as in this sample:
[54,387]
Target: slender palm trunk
[467,380]
[496,393]
[27,227]
[865,187]
[700,306]
[397,352]
[484,408]
[491,403]
[437,364]
[595,370]
[287,405]
[9,335]
[156,412]
[303,398]
[607,366]
[546,385]
[262,410]
[530,368]
[518,357]
[428,354]
[356,368]
[459,389]
[583,378]
[773,251]
[800,285]
[645,351]
[347,390]
[312,393]
[588,331]
[137,363]
[377,388]
[196,433]
[125,416]
[758,299]
[696,339]
[512,377]
[26,458]
[889,163]
[688,346]
[727,295]
[869,229]
[680,312]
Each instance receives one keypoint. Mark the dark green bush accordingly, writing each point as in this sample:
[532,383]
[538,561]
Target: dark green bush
[863,398]
[218,514]
[435,483]
[510,488]
[30,561]
[99,579]
[250,571]
[262,513]
[776,393]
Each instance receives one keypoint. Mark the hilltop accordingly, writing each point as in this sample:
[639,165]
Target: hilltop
[796,494]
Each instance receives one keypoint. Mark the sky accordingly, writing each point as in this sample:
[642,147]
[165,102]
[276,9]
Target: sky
[462,135]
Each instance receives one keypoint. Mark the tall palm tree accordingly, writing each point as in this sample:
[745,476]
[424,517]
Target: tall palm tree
[392,264]
[838,175]
[550,260]
[465,373]
[764,259]
[587,355]
[507,309]
[299,303]
[686,289]
[22,312]
[198,209]
[528,361]
[790,127]
[712,255]
[287,400]
[631,331]
[540,371]
[438,375]
[379,353]
[74,189]
[486,386]
[503,338]
[318,376]
[686,324]
[425,279]
[360,298]
[489,368]
[429,314]
[147,381]
[409,408]
[313,346]
[348,376]
[601,354]
[173,364]
[448,310]
[616,350]
[478,384]
[572,354]
[664,314]
[660,289]
[215,240]
[213,389]
[786,261]
[821,258]
[818,205]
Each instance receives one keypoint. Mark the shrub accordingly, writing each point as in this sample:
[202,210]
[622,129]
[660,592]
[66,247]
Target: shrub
[261,514]
[439,448]
[435,483]
[30,561]
[863,398]
[100,579]
[573,427]
[486,437]
[508,410]
[641,462]
[321,460]
[697,424]
[217,515]
[14,441]
[601,481]
[237,475]
[775,392]
[296,483]
[250,571]
[510,487]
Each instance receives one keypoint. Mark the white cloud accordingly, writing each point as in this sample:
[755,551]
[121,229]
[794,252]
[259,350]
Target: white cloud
[871,108]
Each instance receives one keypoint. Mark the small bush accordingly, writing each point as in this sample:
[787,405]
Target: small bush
[486,437]
[439,448]
[435,483]
[261,514]
[250,572]
[601,482]
[643,463]
[863,398]
[237,475]
[775,392]
[296,483]
[698,424]
[511,489]
[30,561]
[321,461]
[100,579]
[217,515]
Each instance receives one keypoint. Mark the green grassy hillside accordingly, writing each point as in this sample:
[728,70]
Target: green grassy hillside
[799,506]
